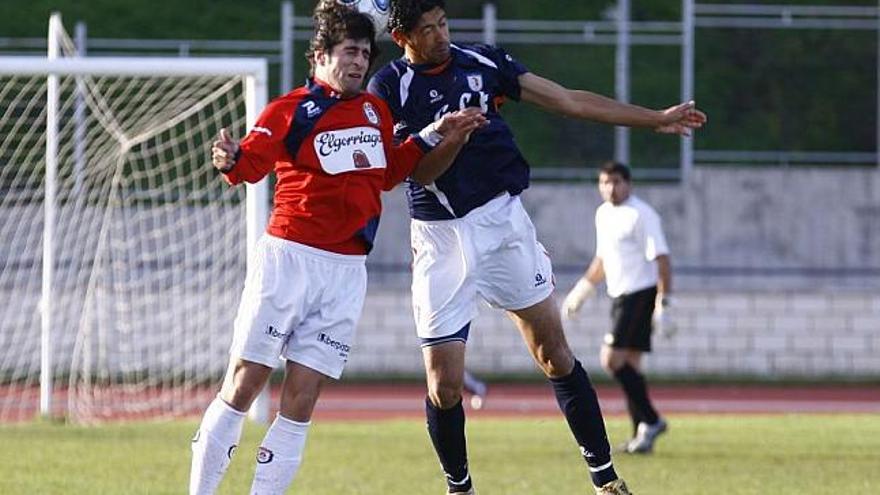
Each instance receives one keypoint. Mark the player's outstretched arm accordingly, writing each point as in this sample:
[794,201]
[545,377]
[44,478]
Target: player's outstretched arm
[455,129]
[553,97]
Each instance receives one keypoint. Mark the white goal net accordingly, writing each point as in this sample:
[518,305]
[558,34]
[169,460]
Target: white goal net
[123,251]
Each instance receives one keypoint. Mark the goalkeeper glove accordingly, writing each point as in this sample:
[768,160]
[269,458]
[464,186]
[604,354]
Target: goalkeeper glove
[663,321]
[575,299]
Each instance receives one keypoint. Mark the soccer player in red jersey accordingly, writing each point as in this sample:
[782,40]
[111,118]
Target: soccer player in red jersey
[332,149]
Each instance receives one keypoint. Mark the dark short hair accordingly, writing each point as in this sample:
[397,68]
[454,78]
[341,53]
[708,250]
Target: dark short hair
[335,23]
[405,14]
[612,167]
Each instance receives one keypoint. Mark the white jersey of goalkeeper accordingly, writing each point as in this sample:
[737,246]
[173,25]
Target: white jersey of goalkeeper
[629,237]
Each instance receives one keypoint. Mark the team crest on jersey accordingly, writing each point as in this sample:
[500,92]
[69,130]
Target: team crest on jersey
[370,113]
[475,82]
[360,159]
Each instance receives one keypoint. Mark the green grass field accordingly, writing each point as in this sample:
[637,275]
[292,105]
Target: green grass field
[730,455]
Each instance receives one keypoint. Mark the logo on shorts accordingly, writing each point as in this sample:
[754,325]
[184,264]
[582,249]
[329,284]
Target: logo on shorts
[231,451]
[336,345]
[264,455]
[539,280]
[274,333]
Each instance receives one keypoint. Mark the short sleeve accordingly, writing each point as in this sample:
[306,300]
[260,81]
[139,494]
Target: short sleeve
[655,241]
[599,240]
[509,70]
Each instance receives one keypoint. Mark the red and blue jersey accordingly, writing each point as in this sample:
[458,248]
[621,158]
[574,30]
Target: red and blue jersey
[332,157]
[490,163]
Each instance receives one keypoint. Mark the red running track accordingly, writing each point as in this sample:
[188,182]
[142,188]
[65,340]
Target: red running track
[374,401]
[368,401]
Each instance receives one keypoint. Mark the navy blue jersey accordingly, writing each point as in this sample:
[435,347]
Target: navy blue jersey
[490,163]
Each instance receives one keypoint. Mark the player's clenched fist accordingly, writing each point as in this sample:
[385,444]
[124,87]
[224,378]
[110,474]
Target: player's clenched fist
[223,152]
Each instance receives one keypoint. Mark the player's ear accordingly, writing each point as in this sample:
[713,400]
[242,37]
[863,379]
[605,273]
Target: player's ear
[320,57]
[399,38]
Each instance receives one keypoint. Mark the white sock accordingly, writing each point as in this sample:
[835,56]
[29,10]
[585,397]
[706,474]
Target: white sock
[213,446]
[279,456]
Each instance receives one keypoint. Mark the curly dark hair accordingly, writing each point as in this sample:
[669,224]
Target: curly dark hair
[336,22]
[405,14]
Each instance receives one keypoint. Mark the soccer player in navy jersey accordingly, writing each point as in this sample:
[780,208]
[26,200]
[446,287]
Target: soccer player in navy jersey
[470,234]
[331,147]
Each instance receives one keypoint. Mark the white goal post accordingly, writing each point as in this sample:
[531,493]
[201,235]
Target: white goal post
[123,251]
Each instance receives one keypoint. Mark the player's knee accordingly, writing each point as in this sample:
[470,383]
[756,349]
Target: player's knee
[611,361]
[554,360]
[244,384]
[444,396]
[240,396]
[300,406]
[557,363]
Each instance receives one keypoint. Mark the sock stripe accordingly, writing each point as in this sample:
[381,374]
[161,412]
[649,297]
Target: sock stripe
[458,483]
[600,468]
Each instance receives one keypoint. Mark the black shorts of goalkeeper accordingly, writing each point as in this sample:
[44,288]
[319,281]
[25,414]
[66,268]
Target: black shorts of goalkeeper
[631,316]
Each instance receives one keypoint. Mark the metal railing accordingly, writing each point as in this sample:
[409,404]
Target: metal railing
[618,30]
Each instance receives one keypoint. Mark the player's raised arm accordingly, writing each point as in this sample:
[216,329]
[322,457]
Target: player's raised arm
[554,97]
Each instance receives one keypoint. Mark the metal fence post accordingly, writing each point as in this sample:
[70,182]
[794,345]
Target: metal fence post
[490,23]
[287,39]
[622,77]
[687,80]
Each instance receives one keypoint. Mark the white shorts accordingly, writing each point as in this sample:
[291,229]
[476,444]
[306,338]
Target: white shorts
[300,304]
[491,252]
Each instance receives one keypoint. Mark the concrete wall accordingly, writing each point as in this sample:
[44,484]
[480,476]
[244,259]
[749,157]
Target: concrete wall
[758,333]
[777,273]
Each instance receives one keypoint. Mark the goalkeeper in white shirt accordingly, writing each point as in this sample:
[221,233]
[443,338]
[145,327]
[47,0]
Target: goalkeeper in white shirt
[633,258]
